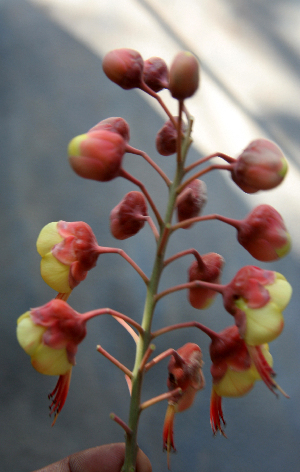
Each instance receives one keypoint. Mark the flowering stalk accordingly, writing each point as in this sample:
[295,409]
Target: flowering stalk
[150,303]
[255,298]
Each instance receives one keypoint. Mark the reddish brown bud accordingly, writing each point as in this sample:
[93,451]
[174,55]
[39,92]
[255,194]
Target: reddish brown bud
[210,271]
[156,74]
[261,166]
[184,75]
[124,67]
[166,139]
[264,235]
[191,201]
[115,125]
[129,216]
[97,155]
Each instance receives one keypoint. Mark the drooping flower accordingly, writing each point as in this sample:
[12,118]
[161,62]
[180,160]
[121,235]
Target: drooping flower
[156,74]
[256,298]
[234,371]
[261,166]
[68,251]
[129,216]
[263,234]
[191,200]
[185,372]
[97,155]
[50,335]
[209,271]
[124,67]
[166,138]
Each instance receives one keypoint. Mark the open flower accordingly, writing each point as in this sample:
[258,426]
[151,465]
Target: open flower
[185,372]
[256,298]
[234,372]
[69,251]
[50,335]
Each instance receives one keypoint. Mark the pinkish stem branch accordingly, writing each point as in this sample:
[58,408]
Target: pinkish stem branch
[159,358]
[121,423]
[202,172]
[179,137]
[122,253]
[108,311]
[147,354]
[201,161]
[153,94]
[185,253]
[230,221]
[159,398]
[189,324]
[195,283]
[147,158]
[114,361]
[126,175]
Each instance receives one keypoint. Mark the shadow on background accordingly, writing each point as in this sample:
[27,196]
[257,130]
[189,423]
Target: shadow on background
[51,89]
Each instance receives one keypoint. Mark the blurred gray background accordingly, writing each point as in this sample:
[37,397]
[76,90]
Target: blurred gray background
[52,88]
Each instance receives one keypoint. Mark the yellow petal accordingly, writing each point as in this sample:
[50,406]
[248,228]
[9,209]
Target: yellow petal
[47,238]
[235,384]
[29,334]
[55,273]
[263,324]
[280,291]
[49,361]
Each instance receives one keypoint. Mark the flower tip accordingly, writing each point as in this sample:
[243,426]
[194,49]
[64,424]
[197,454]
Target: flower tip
[74,145]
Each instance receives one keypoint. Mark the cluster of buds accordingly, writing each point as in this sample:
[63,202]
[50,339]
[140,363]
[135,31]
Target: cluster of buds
[255,297]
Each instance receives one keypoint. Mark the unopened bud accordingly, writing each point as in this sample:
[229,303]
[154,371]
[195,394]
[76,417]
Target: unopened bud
[166,139]
[184,75]
[264,235]
[210,271]
[124,67]
[191,201]
[129,216]
[156,74]
[97,155]
[115,125]
[261,166]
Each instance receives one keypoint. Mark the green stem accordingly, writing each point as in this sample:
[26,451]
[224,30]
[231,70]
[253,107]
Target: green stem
[145,338]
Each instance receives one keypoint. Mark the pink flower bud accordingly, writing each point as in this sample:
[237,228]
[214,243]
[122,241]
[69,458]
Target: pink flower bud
[97,155]
[115,125]
[124,67]
[129,216]
[199,297]
[156,74]
[264,235]
[184,75]
[191,200]
[166,139]
[261,166]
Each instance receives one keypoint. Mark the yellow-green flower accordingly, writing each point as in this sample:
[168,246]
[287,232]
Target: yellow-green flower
[68,251]
[50,335]
[257,298]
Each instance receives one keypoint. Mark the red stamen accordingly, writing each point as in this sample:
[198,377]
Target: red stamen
[59,395]
[216,414]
